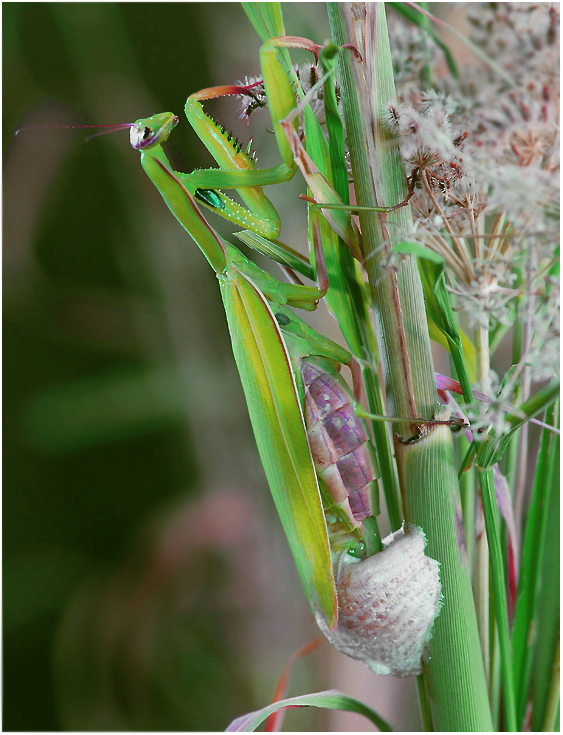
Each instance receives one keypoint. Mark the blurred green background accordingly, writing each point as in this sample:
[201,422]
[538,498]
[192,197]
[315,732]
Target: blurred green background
[147,582]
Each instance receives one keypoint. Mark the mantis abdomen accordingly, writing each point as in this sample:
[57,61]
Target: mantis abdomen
[342,451]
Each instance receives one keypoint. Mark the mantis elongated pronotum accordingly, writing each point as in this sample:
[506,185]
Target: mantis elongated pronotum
[260,325]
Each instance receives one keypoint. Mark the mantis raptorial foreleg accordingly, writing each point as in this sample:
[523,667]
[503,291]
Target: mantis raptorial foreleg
[237,164]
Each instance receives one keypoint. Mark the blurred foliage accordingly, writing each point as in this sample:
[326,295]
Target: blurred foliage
[138,548]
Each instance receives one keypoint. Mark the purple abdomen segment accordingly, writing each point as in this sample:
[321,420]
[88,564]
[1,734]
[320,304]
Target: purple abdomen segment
[341,449]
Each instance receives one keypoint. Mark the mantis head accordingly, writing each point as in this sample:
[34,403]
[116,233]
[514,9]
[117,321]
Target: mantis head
[150,131]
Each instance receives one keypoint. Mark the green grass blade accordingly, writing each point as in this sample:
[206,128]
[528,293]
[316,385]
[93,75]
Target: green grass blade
[545,671]
[327,58]
[330,699]
[425,712]
[492,448]
[266,18]
[529,575]
[499,587]
[438,303]
[468,497]
[469,353]
[551,713]
[542,579]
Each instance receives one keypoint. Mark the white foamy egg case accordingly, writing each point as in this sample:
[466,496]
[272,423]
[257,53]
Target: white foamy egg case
[387,605]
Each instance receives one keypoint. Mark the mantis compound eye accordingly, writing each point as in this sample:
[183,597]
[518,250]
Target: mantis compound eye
[151,131]
[387,605]
[142,136]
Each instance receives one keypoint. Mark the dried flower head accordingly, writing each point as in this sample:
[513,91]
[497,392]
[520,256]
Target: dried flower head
[254,99]
[486,416]
[484,157]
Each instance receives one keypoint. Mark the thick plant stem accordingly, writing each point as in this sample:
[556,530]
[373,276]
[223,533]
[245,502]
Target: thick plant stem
[379,180]
[454,676]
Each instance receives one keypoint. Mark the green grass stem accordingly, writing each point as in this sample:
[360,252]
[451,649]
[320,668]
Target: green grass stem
[545,669]
[529,582]
[499,590]
[425,712]
[552,703]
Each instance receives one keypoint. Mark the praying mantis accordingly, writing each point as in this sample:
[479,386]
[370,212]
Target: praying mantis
[274,349]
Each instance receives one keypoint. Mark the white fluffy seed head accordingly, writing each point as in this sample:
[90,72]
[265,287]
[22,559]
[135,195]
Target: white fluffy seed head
[387,605]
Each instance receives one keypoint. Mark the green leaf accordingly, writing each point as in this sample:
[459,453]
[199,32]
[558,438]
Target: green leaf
[439,306]
[499,588]
[266,19]
[327,59]
[330,699]
[414,248]
[536,586]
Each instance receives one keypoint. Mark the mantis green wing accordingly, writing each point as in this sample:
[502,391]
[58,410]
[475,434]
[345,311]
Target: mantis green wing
[271,394]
